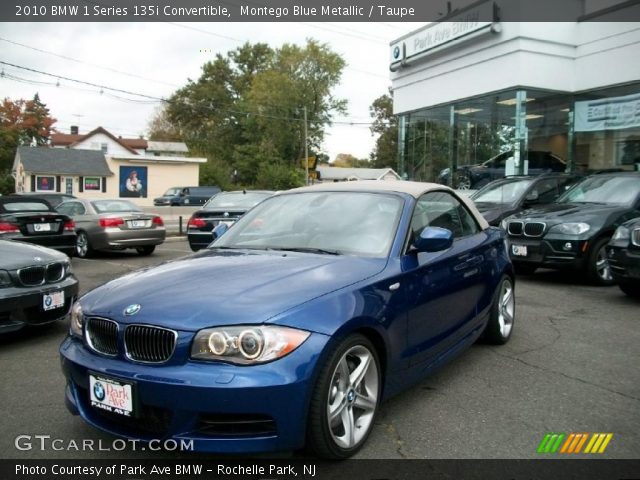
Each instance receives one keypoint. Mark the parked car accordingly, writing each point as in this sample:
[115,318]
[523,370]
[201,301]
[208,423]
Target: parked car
[624,257]
[54,199]
[34,220]
[186,196]
[225,207]
[501,198]
[294,325]
[477,176]
[37,285]
[572,233]
[113,225]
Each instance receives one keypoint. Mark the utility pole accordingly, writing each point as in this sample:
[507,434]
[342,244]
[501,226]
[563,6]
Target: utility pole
[306,146]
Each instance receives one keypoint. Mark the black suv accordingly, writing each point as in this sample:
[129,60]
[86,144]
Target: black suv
[574,231]
[510,195]
[477,176]
[624,257]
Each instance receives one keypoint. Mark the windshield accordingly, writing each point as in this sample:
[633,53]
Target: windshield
[235,200]
[603,189]
[503,192]
[172,192]
[356,223]
[112,206]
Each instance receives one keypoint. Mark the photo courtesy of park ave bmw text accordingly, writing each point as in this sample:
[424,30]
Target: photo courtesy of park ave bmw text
[319,239]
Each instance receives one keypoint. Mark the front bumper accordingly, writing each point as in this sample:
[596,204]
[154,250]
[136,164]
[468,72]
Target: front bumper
[557,253]
[20,307]
[624,263]
[220,407]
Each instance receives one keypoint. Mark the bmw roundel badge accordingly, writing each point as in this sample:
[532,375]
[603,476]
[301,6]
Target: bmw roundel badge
[132,309]
[98,391]
[396,52]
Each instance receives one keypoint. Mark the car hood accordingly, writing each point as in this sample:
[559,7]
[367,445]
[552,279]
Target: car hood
[592,213]
[18,254]
[214,288]
[494,212]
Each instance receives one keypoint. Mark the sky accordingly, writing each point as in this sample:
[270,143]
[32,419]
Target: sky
[155,59]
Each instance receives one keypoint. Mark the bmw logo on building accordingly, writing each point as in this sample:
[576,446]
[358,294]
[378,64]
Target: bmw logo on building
[396,52]
[132,309]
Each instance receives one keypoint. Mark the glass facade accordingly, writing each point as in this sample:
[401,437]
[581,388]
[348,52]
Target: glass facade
[516,131]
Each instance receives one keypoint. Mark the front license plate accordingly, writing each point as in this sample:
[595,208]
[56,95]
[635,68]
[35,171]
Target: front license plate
[137,223]
[519,250]
[52,300]
[42,227]
[111,395]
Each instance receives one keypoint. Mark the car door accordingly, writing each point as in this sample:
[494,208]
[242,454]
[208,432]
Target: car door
[445,287]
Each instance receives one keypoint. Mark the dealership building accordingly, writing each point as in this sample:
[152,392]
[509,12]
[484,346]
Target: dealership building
[472,86]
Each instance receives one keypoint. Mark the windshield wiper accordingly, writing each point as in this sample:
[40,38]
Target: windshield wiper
[321,251]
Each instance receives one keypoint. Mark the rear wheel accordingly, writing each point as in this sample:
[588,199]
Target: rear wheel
[83,245]
[345,400]
[147,250]
[598,269]
[503,313]
[631,288]
[462,181]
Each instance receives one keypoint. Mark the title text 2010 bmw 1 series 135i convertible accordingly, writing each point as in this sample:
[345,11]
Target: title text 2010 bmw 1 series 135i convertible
[318,304]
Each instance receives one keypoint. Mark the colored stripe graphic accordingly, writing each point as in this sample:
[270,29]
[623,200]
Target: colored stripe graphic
[573,443]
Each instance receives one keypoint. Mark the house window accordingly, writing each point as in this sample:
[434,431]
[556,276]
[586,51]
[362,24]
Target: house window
[104,147]
[92,184]
[45,183]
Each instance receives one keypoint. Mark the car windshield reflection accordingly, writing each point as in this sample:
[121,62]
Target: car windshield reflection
[507,192]
[606,190]
[352,223]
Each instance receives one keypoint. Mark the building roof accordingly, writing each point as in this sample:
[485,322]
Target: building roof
[63,161]
[415,189]
[175,147]
[339,173]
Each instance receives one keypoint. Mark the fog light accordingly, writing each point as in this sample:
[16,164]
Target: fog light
[568,246]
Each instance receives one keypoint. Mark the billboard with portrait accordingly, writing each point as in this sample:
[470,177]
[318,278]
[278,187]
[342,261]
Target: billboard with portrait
[133,182]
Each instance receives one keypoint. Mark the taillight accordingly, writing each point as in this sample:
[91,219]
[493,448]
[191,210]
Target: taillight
[157,221]
[6,227]
[111,222]
[69,226]
[196,223]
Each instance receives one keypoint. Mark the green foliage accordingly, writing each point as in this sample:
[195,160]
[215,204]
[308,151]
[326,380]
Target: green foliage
[7,183]
[246,110]
[272,176]
[385,125]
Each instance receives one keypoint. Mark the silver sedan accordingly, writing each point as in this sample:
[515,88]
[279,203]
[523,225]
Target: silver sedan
[113,225]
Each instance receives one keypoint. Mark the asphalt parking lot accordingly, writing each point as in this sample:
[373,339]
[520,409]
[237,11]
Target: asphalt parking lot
[572,365]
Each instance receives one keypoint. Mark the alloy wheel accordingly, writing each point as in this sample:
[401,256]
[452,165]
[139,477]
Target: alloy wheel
[602,265]
[506,308]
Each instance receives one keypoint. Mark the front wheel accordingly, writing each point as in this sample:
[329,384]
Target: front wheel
[632,289]
[598,269]
[147,250]
[502,315]
[345,400]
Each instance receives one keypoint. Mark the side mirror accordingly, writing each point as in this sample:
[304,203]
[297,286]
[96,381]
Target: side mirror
[434,239]
[219,230]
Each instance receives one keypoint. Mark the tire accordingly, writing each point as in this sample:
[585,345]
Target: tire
[354,402]
[147,250]
[83,245]
[525,268]
[598,270]
[462,181]
[632,289]
[503,312]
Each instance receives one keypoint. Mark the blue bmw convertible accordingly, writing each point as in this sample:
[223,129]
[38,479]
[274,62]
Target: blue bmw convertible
[295,324]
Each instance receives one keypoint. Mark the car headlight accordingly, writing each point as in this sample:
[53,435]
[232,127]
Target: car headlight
[5,279]
[77,319]
[246,345]
[577,228]
[68,270]
[622,234]
[504,223]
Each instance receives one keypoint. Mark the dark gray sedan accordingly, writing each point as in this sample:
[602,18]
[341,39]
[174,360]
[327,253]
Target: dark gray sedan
[113,225]
[37,285]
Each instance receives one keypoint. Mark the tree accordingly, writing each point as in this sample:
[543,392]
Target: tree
[161,129]
[22,122]
[246,110]
[349,161]
[385,125]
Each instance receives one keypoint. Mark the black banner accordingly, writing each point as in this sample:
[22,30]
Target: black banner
[236,468]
